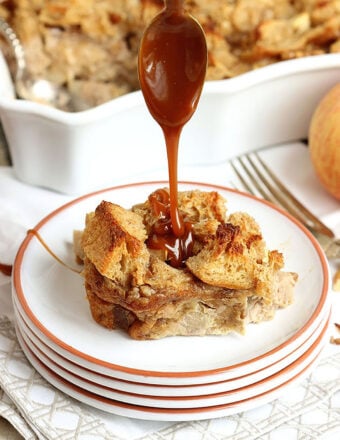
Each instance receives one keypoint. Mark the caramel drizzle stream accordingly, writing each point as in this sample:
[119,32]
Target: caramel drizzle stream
[49,250]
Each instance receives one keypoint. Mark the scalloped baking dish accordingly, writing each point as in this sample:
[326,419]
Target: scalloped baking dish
[76,153]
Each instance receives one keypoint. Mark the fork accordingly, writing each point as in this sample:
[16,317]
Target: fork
[257,179]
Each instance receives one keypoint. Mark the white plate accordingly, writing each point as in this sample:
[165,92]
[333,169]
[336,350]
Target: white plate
[52,300]
[52,358]
[168,413]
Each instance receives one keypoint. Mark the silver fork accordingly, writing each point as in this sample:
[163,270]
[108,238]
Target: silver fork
[259,180]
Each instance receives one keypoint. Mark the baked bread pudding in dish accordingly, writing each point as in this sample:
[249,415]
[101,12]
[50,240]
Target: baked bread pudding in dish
[91,46]
[228,278]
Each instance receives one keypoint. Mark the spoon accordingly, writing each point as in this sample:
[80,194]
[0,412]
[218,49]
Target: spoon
[172,65]
[34,89]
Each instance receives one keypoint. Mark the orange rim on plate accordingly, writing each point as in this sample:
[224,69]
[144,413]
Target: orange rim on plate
[96,378]
[315,347]
[154,413]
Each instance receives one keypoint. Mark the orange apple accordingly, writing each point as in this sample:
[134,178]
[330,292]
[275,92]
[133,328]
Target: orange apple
[324,141]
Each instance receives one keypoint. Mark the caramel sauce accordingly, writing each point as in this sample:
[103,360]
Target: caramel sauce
[172,65]
[6,269]
[176,249]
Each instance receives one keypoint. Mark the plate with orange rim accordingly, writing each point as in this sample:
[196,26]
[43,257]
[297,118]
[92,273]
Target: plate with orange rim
[52,300]
[121,388]
[222,404]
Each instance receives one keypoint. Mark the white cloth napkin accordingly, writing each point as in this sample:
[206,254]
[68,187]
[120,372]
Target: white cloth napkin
[310,410]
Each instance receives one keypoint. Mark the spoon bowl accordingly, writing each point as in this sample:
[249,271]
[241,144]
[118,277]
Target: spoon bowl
[172,66]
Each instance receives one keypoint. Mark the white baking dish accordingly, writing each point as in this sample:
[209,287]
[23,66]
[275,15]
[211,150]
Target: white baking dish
[79,152]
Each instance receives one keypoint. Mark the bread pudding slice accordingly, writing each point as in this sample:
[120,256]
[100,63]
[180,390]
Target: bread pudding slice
[230,280]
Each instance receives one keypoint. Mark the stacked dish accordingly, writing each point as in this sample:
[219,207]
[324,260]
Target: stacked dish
[174,378]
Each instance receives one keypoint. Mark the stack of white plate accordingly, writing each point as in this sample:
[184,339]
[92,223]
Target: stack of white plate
[176,378]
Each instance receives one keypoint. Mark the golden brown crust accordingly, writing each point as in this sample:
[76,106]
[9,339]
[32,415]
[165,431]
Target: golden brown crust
[234,257]
[114,241]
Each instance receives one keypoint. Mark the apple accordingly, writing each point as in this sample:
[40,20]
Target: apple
[324,141]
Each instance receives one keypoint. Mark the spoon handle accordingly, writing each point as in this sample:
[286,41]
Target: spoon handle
[15,44]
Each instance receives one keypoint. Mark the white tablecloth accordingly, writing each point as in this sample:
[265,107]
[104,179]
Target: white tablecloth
[310,410]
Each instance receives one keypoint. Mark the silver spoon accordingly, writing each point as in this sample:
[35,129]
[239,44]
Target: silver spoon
[34,89]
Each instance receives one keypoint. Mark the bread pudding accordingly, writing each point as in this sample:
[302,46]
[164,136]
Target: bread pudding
[91,46]
[230,278]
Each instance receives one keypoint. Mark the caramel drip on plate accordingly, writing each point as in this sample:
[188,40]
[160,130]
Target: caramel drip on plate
[6,269]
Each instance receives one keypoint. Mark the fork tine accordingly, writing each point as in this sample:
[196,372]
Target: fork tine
[278,197]
[265,189]
[319,226]
[265,194]
[273,190]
